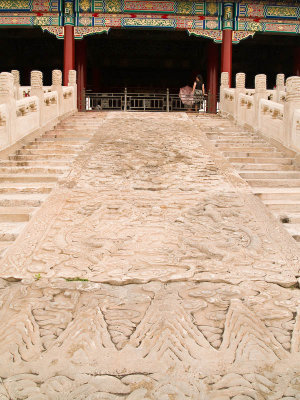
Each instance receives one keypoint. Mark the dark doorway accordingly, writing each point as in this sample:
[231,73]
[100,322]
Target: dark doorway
[27,49]
[268,54]
[144,60]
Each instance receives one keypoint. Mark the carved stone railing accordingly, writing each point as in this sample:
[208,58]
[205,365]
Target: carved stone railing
[270,119]
[281,96]
[25,91]
[3,115]
[50,106]
[4,126]
[249,92]
[296,129]
[277,119]
[291,110]
[270,93]
[68,102]
[27,117]
[229,99]
[245,110]
[32,109]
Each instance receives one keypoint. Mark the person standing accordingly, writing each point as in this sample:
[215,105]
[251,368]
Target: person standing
[198,92]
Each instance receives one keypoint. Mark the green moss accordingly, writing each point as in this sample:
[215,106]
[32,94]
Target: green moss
[76,279]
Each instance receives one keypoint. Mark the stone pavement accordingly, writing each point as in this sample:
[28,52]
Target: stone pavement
[151,272]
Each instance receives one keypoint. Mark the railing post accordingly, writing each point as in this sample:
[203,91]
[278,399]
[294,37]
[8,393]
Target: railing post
[240,87]
[168,100]
[73,83]
[125,99]
[291,104]
[36,83]
[57,87]
[260,93]
[224,85]
[280,78]
[7,97]
[16,75]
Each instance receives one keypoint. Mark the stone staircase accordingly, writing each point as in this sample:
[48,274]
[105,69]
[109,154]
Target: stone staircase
[271,172]
[29,175]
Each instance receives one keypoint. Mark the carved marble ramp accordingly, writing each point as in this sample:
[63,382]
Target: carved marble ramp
[151,272]
[29,175]
[272,172]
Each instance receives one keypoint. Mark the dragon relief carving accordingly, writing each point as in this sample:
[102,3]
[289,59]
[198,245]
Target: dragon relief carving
[156,329]
[138,285]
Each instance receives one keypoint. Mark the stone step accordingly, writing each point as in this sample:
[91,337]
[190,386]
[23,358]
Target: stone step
[86,116]
[33,170]
[70,131]
[41,158]
[261,160]
[248,149]
[54,146]
[22,200]
[46,151]
[65,141]
[38,164]
[243,144]
[78,124]
[15,214]
[287,218]
[81,134]
[27,178]
[86,127]
[80,121]
[283,205]
[233,143]
[9,231]
[277,194]
[270,175]
[256,154]
[293,230]
[274,182]
[263,167]
[76,136]
[240,140]
[237,137]
[26,187]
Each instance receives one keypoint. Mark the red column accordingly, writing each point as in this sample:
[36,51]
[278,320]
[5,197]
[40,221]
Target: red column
[297,61]
[226,62]
[212,75]
[69,52]
[81,72]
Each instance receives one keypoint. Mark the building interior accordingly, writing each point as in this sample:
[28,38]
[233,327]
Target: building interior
[142,59]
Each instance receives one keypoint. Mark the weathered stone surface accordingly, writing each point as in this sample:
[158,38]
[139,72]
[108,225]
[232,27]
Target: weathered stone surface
[190,287]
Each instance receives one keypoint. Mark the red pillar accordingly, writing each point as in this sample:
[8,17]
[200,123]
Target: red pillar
[81,72]
[212,75]
[69,52]
[297,61]
[226,62]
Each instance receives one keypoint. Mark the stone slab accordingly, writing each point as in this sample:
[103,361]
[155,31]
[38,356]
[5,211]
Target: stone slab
[151,272]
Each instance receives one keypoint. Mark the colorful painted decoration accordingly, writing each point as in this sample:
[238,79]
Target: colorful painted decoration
[244,16]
